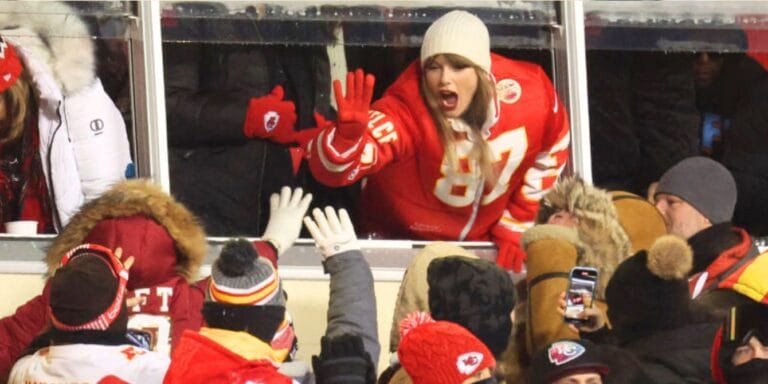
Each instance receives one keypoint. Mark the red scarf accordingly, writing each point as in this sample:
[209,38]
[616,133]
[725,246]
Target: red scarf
[23,190]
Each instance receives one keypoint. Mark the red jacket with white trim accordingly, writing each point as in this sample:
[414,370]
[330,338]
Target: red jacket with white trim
[411,192]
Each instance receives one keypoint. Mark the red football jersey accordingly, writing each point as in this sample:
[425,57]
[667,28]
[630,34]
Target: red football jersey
[412,192]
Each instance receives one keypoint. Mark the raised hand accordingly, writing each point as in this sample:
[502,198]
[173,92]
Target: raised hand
[333,233]
[285,213]
[353,108]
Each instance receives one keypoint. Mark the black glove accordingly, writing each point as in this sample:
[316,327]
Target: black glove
[343,360]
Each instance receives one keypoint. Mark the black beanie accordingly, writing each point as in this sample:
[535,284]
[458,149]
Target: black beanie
[83,290]
[649,291]
[475,294]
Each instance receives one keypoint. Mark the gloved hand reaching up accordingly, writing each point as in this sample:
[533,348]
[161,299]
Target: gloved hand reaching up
[333,233]
[285,213]
[343,360]
[270,117]
[353,108]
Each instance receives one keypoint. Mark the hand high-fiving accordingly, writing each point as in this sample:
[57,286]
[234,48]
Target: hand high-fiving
[285,213]
[353,108]
[333,233]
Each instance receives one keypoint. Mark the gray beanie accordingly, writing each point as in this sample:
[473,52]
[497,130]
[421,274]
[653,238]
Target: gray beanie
[240,277]
[705,184]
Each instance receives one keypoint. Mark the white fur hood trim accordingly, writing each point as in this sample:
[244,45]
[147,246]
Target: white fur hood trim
[56,38]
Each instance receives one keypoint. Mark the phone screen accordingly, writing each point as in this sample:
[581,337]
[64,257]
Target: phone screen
[581,290]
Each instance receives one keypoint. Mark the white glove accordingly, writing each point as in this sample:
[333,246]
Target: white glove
[285,213]
[333,234]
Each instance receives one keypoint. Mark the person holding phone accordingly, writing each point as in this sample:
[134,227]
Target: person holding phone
[460,147]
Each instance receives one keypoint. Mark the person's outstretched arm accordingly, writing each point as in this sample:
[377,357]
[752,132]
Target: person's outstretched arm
[362,140]
[352,302]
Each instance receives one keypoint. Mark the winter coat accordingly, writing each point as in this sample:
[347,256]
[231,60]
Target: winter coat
[677,355]
[83,141]
[413,295]
[728,269]
[221,356]
[221,175]
[89,363]
[168,245]
[643,116]
[739,97]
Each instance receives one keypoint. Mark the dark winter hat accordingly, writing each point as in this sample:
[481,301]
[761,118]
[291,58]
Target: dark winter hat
[475,294]
[742,323]
[565,357]
[88,291]
[649,291]
[441,352]
[240,277]
[703,183]
[10,65]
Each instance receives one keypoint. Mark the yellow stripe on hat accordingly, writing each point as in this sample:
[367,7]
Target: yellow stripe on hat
[255,297]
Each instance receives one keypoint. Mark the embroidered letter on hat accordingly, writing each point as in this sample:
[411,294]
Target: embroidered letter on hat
[271,119]
[468,362]
[564,351]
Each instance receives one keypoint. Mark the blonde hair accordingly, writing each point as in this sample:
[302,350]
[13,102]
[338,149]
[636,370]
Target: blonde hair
[17,104]
[475,116]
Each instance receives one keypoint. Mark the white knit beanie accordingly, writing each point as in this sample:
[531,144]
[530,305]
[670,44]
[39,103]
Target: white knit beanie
[460,33]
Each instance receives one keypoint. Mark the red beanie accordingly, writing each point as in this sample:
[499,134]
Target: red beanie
[442,352]
[10,66]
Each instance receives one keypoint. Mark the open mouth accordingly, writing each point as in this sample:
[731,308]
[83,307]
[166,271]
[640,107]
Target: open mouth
[448,100]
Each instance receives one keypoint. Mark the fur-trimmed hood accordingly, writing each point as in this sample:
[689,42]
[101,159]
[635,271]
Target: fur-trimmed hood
[603,243]
[51,39]
[163,236]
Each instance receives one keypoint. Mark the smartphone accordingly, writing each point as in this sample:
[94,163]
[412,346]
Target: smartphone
[580,294]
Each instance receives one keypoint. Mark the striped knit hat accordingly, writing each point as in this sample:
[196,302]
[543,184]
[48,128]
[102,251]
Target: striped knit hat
[240,277]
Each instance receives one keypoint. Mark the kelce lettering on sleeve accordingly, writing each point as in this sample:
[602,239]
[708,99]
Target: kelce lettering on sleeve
[458,185]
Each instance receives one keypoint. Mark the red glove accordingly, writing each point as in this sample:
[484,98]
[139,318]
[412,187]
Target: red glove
[270,117]
[511,255]
[353,108]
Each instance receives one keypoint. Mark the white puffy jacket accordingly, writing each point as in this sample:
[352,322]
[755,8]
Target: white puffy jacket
[83,140]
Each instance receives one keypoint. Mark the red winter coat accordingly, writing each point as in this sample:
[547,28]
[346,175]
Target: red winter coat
[168,246]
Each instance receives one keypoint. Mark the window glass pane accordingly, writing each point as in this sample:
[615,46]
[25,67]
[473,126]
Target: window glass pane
[669,80]
[218,55]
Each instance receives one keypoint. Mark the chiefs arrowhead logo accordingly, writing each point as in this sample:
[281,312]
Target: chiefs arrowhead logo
[564,351]
[468,362]
[271,119]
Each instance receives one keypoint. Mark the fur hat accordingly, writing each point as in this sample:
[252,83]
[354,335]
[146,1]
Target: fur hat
[604,243]
[649,291]
[10,65]
[705,184]
[475,294]
[441,352]
[88,291]
[565,357]
[459,33]
[641,221]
